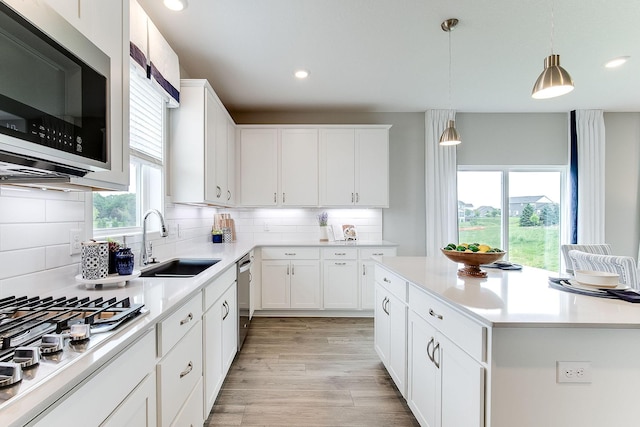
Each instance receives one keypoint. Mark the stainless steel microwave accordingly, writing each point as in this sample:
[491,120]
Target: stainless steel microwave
[53,98]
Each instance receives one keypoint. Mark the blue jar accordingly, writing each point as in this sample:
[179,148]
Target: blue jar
[124,261]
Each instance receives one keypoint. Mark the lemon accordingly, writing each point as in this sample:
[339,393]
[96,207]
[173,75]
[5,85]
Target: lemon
[483,248]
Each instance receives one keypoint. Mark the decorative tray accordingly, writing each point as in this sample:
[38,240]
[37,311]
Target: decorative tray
[111,279]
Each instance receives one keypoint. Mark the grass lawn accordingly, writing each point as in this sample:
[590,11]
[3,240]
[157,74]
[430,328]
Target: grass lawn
[533,246]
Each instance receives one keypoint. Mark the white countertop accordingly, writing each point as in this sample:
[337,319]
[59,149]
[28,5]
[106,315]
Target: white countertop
[161,296]
[512,298]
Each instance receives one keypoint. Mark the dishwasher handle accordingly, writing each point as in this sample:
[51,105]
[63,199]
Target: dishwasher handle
[245,266]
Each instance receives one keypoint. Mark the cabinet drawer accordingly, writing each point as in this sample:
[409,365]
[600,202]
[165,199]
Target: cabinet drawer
[290,253]
[217,287]
[175,326]
[191,413]
[340,253]
[178,374]
[394,284]
[463,331]
[367,253]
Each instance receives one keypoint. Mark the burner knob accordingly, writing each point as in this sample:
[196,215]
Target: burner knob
[10,373]
[26,357]
[51,343]
[80,332]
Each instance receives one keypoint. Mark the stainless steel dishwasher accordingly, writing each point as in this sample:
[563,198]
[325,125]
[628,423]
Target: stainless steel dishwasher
[244,297]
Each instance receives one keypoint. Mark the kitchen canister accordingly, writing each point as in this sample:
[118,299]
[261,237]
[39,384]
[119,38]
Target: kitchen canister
[124,261]
[94,260]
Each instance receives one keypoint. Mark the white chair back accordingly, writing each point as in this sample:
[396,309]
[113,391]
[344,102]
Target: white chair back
[601,249]
[625,266]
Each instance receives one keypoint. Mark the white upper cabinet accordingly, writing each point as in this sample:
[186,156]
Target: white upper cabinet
[354,167]
[106,24]
[279,167]
[299,167]
[200,147]
[259,167]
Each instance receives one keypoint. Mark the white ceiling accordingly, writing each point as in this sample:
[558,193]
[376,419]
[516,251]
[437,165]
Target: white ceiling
[392,56]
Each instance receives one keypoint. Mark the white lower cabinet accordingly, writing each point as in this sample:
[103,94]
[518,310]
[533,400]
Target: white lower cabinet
[190,415]
[390,333]
[340,278]
[220,334]
[291,278]
[98,400]
[446,385]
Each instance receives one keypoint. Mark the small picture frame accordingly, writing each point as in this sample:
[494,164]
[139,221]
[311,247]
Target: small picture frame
[349,232]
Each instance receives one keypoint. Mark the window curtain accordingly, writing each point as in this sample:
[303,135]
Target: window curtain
[441,183]
[589,150]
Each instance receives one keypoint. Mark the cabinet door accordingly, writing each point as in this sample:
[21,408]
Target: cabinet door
[299,167]
[259,167]
[138,409]
[305,284]
[275,284]
[462,387]
[381,324]
[210,163]
[340,284]
[231,163]
[367,285]
[372,167]
[221,154]
[337,167]
[423,378]
[397,365]
[229,328]
[212,366]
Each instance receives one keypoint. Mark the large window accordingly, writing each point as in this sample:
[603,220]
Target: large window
[121,212]
[518,210]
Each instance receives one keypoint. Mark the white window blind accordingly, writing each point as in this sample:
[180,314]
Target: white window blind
[146,124]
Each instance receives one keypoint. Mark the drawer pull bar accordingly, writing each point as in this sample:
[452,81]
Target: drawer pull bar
[436,348]
[187,319]
[226,306]
[186,371]
[340,263]
[434,314]
[385,304]
[290,253]
[378,254]
[339,253]
[384,279]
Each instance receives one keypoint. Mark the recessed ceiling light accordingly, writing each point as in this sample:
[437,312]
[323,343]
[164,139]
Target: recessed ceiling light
[301,74]
[176,5]
[616,62]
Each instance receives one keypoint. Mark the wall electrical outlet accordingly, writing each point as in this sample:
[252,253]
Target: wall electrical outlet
[573,372]
[75,238]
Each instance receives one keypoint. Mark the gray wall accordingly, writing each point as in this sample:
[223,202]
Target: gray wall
[505,138]
[404,221]
[622,189]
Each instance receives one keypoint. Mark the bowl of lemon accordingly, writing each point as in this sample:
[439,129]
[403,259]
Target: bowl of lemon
[472,255]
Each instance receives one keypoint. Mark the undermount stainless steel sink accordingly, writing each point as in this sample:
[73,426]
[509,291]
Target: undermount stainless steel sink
[179,267]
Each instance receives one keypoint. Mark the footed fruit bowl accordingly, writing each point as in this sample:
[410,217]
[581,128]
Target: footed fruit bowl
[472,261]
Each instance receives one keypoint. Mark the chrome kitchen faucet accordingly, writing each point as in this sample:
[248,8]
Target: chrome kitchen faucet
[146,252]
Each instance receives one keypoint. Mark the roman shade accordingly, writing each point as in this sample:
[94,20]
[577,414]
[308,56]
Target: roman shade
[151,54]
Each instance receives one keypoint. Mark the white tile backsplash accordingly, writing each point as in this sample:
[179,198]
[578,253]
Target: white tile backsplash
[34,233]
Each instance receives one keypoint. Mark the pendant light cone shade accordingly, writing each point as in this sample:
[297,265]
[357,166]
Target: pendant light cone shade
[554,80]
[450,136]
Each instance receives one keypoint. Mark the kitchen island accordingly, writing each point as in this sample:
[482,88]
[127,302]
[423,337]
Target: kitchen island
[507,350]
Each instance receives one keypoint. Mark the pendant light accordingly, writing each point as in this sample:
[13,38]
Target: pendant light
[554,80]
[450,136]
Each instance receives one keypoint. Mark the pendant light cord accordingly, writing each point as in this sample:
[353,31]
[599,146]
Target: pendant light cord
[449,69]
[552,26]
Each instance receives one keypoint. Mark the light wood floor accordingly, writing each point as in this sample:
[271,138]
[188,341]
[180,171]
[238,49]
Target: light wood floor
[309,372]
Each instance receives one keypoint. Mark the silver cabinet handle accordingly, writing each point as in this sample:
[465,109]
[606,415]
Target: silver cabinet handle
[378,254]
[385,301]
[357,197]
[384,279]
[434,314]
[275,198]
[340,253]
[228,195]
[340,263]
[290,253]
[293,270]
[188,369]
[287,270]
[436,348]
[429,344]
[364,269]
[283,197]
[351,197]
[219,191]
[226,306]
[187,319]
